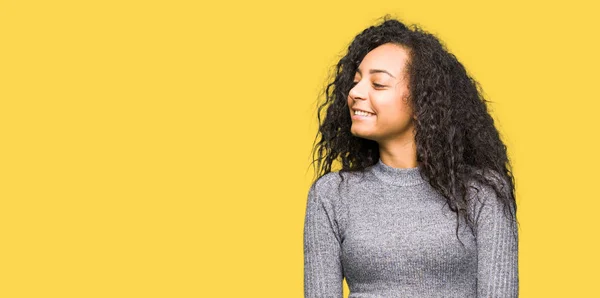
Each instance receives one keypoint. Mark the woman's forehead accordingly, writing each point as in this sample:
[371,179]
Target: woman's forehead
[387,58]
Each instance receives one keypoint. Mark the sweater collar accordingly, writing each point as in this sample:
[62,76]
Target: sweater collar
[397,176]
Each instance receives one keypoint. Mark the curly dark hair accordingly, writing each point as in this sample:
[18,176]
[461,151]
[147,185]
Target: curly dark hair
[455,136]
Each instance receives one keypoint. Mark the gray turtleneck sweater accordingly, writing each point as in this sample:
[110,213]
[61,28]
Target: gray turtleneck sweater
[391,235]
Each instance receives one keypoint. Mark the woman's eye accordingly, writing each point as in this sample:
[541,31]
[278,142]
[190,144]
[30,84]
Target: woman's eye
[374,85]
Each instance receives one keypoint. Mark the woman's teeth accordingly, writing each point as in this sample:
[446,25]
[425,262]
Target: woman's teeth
[362,113]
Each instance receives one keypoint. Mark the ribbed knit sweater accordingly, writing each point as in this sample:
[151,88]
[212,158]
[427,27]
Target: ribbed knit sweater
[390,234]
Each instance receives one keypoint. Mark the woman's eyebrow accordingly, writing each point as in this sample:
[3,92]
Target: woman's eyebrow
[372,71]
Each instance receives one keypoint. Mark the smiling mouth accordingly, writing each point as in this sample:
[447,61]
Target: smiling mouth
[362,113]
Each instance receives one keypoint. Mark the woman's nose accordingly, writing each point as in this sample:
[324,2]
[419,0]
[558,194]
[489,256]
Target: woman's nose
[356,93]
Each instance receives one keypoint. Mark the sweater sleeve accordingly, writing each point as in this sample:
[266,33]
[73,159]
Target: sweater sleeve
[497,248]
[322,249]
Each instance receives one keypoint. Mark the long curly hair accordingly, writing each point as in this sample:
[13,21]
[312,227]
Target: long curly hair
[456,140]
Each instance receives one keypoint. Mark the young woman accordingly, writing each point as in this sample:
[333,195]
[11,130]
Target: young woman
[424,202]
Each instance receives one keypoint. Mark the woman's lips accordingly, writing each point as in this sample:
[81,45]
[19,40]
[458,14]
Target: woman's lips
[362,117]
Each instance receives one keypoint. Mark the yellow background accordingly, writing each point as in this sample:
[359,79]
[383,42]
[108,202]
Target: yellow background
[162,148]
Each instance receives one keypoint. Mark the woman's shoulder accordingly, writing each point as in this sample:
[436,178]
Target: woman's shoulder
[333,186]
[487,180]
[327,181]
[490,189]
[333,180]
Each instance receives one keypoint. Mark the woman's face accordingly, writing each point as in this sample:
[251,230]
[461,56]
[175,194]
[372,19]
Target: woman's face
[382,89]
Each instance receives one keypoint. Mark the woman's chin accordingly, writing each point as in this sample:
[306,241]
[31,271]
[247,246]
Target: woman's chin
[360,133]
